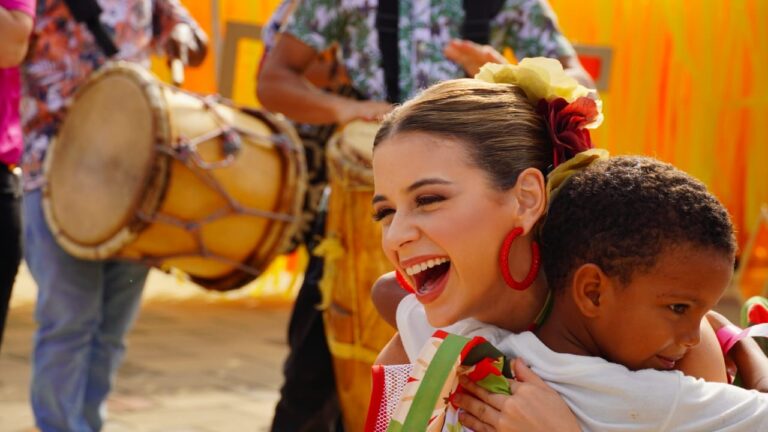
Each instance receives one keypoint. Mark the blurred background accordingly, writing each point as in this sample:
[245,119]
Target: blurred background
[681,80]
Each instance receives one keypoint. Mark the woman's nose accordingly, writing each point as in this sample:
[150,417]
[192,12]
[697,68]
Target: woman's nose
[400,232]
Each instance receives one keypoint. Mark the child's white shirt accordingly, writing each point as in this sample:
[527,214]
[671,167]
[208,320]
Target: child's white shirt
[606,396]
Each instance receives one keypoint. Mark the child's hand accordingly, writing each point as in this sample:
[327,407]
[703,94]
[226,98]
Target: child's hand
[386,294]
[533,406]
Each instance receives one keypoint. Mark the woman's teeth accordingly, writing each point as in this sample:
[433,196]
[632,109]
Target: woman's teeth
[418,268]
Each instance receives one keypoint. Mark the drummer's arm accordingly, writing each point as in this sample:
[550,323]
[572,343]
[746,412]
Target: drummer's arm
[15,28]
[283,88]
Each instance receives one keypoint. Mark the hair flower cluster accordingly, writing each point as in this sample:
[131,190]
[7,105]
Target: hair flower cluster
[569,108]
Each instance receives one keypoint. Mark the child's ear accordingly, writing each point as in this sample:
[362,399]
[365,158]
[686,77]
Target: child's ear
[530,193]
[588,285]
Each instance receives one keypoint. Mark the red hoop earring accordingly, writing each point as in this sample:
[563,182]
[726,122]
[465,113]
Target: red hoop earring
[504,262]
[404,283]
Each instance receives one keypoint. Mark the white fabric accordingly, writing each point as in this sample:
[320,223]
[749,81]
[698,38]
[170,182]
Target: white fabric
[609,397]
[415,330]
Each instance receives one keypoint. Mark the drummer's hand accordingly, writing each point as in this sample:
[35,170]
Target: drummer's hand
[471,56]
[350,109]
[533,406]
[184,45]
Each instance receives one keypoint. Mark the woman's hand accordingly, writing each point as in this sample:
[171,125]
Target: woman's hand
[533,406]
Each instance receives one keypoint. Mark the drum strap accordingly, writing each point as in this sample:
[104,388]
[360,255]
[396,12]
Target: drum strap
[476,27]
[88,12]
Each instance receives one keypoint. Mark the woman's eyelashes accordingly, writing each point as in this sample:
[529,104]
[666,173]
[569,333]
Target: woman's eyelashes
[381,213]
[425,200]
[421,201]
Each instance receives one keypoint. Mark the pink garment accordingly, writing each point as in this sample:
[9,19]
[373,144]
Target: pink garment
[10,127]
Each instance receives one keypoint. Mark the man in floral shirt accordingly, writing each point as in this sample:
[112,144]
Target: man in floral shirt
[426,30]
[84,308]
[429,50]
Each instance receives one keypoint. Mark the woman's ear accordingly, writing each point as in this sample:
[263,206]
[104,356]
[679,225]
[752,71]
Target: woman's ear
[530,193]
[588,285]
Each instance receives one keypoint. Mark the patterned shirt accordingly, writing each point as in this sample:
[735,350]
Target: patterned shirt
[528,27]
[65,54]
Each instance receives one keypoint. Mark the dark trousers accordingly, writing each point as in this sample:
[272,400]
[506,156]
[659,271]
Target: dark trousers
[10,240]
[308,400]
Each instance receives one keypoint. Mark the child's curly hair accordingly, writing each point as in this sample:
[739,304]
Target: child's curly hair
[621,213]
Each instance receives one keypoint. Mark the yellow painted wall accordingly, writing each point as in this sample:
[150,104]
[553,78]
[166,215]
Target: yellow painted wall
[687,83]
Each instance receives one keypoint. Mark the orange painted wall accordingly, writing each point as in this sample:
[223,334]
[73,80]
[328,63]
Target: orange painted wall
[687,86]
[687,83]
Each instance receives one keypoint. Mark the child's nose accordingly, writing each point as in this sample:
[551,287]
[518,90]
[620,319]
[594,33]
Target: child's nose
[691,336]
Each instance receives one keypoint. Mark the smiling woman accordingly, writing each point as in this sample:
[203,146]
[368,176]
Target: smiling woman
[435,210]
[448,193]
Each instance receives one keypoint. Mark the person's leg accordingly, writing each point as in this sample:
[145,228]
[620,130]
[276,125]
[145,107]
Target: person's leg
[308,400]
[68,315]
[10,251]
[120,301]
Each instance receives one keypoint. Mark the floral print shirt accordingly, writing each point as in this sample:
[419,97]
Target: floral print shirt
[65,54]
[528,27]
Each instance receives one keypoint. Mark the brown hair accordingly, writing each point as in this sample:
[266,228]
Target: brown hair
[501,130]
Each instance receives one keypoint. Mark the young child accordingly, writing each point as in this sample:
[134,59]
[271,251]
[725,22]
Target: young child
[636,253]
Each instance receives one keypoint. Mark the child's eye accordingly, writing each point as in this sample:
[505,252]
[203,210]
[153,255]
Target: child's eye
[678,308]
[424,200]
[380,214]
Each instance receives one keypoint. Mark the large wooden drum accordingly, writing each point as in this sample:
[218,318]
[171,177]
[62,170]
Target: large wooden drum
[145,171]
[355,331]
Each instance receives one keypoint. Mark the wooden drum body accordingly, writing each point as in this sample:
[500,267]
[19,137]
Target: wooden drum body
[148,172]
[355,331]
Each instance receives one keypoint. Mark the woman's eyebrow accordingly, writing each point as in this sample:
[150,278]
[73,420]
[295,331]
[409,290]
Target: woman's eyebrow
[426,182]
[378,198]
[414,186]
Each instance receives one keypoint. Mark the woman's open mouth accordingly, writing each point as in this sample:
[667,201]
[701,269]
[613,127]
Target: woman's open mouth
[430,278]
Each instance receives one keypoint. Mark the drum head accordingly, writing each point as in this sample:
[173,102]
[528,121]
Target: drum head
[103,161]
[350,152]
[357,141]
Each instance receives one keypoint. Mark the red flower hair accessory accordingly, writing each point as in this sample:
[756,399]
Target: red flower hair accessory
[569,108]
[567,126]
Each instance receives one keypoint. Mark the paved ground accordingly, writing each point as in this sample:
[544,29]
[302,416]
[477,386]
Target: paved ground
[196,362]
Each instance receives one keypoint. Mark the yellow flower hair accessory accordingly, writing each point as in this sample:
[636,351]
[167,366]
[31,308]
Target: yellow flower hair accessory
[568,107]
[578,163]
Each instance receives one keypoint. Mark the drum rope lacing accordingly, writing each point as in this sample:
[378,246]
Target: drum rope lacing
[185,152]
